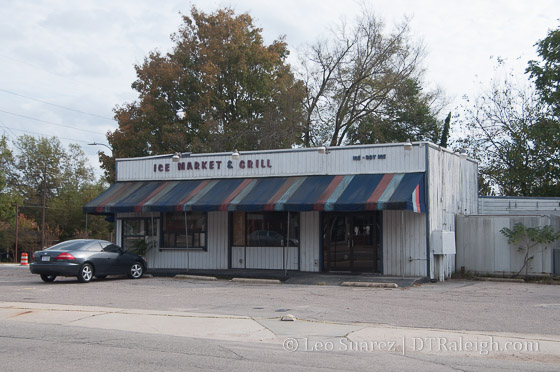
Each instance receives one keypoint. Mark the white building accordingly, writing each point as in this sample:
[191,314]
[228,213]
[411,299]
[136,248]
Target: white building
[387,209]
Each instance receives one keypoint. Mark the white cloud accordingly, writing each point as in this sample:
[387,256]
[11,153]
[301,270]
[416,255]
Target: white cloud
[81,54]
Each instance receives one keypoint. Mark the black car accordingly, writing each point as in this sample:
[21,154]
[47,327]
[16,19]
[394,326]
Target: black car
[86,258]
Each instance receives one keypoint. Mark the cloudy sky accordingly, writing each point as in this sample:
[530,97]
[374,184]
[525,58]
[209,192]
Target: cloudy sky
[66,64]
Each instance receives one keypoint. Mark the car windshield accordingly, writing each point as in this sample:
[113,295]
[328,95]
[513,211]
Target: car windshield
[71,245]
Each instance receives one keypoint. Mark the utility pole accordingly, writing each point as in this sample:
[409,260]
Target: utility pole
[44,207]
[17,232]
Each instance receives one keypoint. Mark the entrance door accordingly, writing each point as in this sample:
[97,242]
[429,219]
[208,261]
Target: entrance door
[351,242]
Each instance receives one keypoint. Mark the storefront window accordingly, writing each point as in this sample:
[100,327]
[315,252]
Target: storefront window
[137,231]
[177,235]
[238,233]
[265,229]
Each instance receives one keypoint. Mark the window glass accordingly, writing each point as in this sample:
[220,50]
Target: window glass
[177,235]
[265,229]
[238,229]
[72,245]
[134,227]
[112,248]
[137,231]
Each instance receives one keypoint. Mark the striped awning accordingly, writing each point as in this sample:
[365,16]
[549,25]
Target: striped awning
[350,193]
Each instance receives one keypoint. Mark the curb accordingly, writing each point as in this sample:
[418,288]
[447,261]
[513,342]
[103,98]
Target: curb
[256,281]
[507,280]
[196,277]
[369,284]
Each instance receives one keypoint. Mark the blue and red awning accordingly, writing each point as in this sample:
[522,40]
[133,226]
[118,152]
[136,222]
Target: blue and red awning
[351,193]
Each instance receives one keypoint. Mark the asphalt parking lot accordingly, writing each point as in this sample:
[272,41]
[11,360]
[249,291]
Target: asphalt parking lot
[452,305]
[188,324]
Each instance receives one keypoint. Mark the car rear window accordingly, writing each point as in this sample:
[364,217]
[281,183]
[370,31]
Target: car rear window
[72,246]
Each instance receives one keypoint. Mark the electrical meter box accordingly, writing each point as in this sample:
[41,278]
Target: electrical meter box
[443,242]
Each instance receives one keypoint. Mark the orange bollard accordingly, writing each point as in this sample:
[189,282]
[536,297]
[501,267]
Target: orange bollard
[24,259]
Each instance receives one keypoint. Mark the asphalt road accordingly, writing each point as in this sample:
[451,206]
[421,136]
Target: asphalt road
[523,309]
[51,348]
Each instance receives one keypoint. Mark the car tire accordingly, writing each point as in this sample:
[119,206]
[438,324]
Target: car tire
[101,276]
[86,273]
[136,271]
[48,277]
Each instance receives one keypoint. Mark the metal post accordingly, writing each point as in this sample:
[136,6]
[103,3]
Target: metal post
[187,239]
[403,234]
[86,226]
[287,247]
[44,207]
[17,232]
[152,244]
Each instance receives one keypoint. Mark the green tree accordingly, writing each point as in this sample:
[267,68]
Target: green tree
[7,195]
[509,130]
[546,73]
[408,114]
[445,132]
[356,79]
[56,181]
[6,178]
[220,88]
[527,239]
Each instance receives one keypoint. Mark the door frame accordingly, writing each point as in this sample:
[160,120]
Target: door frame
[377,221]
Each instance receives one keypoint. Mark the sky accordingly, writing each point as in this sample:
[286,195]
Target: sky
[66,64]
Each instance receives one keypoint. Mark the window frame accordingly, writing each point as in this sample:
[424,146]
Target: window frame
[147,222]
[203,248]
[283,218]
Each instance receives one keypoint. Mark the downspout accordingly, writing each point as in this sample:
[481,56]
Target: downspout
[187,240]
[427,200]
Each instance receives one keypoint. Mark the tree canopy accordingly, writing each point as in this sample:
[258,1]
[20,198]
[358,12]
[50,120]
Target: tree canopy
[41,175]
[363,85]
[219,89]
[510,130]
[546,73]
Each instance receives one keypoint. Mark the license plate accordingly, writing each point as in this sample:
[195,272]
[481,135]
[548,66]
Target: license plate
[45,258]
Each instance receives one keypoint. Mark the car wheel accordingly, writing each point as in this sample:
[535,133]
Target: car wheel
[136,271]
[86,273]
[48,277]
[101,276]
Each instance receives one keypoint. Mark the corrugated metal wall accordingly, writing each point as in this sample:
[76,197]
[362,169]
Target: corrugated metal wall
[453,190]
[310,241]
[406,242]
[517,205]
[338,160]
[481,248]
[214,258]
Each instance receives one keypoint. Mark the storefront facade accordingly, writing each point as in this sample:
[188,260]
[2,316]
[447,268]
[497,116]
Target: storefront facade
[371,208]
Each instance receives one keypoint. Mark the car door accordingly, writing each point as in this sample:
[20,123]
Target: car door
[112,257]
[98,258]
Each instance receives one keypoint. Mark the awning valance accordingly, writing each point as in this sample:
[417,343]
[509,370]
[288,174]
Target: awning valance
[350,193]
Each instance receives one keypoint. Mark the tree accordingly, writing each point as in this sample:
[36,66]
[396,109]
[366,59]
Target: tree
[509,130]
[445,132]
[6,178]
[528,238]
[53,182]
[220,88]
[408,114]
[546,73]
[355,77]
[7,196]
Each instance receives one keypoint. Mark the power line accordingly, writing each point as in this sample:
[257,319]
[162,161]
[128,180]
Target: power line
[55,105]
[50,122]
[43,135]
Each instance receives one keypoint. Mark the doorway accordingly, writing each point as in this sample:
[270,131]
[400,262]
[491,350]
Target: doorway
[351,242]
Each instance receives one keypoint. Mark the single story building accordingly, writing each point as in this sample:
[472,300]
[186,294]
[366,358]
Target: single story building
[483,249]
[388,209]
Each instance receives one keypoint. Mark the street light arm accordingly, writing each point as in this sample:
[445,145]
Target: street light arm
[101,144]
